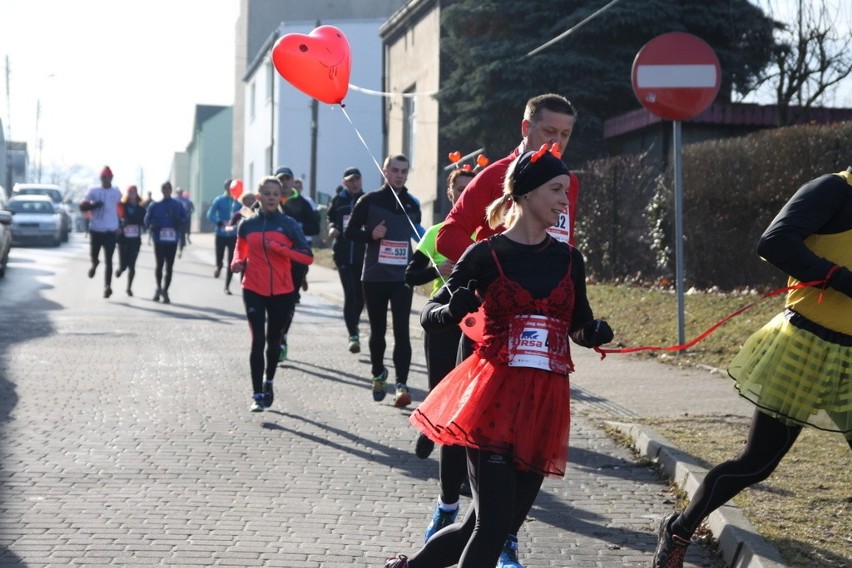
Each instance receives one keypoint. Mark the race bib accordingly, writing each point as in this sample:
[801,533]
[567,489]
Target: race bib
[131,231]
[393,252]
[345,221]
[168,235]
[530,339]
[561,230]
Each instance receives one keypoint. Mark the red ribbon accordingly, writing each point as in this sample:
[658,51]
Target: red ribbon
[714,327]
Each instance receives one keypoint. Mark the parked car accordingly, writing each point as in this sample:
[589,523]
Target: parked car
[55,195]
[34,219]
[5,233]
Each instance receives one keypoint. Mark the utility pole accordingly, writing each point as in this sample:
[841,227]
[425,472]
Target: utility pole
[7,175]
[312,188]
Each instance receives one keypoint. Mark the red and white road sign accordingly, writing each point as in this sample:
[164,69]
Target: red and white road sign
[676,76]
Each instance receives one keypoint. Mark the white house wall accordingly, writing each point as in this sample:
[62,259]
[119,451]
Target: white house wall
[338,144]
[414,64]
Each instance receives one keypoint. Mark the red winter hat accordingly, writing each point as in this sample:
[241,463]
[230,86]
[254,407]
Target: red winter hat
[106,172]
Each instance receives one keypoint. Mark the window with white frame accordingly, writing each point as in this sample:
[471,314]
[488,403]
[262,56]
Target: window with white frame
[409,123]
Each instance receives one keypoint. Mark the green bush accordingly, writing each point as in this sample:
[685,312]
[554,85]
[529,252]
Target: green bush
[732,189]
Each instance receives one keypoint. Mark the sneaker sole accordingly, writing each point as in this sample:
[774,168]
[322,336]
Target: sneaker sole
[402,400]
[355,348]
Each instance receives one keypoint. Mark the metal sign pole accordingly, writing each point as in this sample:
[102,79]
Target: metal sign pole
[678,195]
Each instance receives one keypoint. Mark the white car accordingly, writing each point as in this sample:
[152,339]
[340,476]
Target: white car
[34,220]
[55,194]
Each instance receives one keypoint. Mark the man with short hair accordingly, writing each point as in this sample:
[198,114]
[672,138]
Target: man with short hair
[383,220]
[300,209]
[348,255]
[220,212]
[102,203]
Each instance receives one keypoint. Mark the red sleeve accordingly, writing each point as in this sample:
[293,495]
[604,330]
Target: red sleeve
[240,252]
[120,209]
[573,194]
[282,249]
[468,213]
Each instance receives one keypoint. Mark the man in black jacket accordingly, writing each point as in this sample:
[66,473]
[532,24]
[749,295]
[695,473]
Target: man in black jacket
[348,255]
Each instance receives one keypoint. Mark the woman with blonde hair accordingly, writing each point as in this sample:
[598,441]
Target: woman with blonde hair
[508,403]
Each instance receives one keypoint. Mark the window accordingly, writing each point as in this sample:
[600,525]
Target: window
[270,82]
[409,118]
[252,96]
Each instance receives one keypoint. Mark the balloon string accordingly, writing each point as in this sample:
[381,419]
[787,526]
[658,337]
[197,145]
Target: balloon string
[603,352]
[382,173]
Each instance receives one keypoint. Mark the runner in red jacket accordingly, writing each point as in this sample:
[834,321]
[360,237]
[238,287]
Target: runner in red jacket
[267,242]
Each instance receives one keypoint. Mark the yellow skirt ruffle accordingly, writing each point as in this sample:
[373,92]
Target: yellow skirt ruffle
[797,377]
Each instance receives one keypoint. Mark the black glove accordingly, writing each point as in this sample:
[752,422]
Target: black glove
[464,301]
[842,281]
[596,333]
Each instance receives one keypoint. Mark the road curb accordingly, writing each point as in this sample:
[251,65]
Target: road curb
[739,542]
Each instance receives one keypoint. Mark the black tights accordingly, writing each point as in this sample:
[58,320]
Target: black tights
[353,296]
[769,440]
[165,256]
[377,295]
[222,244]
[298,272]
[441,353]
[263,333]
[128,252]
[502,497]
[105,240]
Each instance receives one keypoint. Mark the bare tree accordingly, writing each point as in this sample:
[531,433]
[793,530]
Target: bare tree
[811,56]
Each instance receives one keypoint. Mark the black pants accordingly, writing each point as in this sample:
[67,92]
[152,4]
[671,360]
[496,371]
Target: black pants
[223,244]
[128,252]
[298,272]
[164,253]
[265,316]
[768,442]
[377,295]
[105,240]
[441,347]
[353,296]
[502,497]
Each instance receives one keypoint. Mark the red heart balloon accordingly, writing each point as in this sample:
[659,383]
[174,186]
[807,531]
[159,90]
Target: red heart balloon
[236,188]
[481,160]
[454,156]
[318,64]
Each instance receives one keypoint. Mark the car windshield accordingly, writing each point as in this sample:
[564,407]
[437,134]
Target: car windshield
[16,206]
[54,194]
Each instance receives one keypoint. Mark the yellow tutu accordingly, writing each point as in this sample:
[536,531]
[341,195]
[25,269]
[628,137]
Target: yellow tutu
[797,377]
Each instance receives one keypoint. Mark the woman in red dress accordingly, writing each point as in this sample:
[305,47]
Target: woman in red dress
[508,403]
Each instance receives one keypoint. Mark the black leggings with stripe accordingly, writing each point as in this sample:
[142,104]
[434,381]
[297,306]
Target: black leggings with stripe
[266,315]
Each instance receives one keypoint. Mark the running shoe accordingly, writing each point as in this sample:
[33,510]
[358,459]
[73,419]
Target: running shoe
[107,291]
[93,269]
[670,547]
[400,561]
[257,403]
[379,389]
[282,354]
[354,344]
[509,556]
[118,272]
[166,299]
[157,295]
[440,519]
[402,398]
[129,292]
[268,395]
[424,446]
[217,272]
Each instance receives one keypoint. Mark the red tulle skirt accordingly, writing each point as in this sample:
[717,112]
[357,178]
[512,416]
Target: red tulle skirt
[517,411]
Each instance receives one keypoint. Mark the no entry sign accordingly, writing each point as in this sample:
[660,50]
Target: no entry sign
[676,76]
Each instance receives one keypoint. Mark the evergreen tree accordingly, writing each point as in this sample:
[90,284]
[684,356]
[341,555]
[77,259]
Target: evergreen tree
[488,76]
